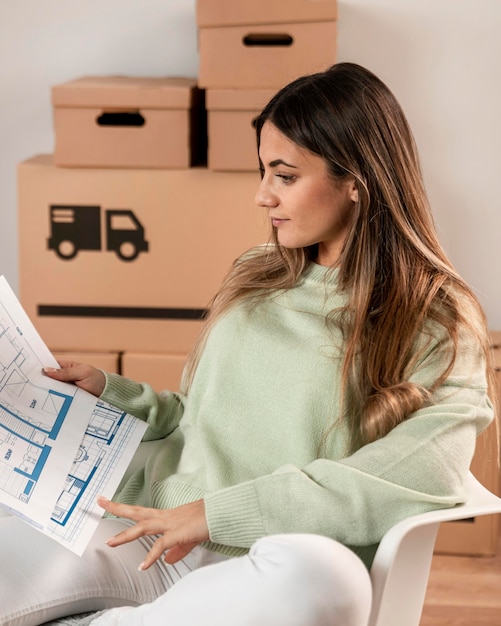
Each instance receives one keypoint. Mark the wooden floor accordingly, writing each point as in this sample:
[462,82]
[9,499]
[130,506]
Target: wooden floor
[464,591]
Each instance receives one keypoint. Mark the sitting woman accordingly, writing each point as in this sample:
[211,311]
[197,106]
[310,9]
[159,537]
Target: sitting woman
[338,386]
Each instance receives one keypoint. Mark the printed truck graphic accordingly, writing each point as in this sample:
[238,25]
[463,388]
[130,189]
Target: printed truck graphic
[78,227]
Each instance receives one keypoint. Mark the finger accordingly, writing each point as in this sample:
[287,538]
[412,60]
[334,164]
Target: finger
[126,536]
[130,511]
[52,372]
[172,552]
[147,527]
[160,546]
[69,372]
[178,552]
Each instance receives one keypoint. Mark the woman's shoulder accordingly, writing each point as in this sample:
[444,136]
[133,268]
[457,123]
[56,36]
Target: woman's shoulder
[461,345]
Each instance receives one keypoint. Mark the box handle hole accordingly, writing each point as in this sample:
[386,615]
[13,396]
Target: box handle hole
[120,118]
[268,39]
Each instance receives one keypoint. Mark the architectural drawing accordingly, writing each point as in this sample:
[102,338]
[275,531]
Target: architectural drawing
[108,432]
[30,418]
[59,446]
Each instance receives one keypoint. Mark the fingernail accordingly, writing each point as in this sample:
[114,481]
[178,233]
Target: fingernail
[49,370]
[141,567]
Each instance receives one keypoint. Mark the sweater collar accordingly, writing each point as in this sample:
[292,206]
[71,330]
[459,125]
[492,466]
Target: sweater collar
[315,272]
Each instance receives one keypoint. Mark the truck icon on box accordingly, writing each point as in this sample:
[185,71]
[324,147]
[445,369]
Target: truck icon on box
[78,227]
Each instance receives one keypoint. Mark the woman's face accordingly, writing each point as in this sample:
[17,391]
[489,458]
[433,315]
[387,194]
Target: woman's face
[304,203]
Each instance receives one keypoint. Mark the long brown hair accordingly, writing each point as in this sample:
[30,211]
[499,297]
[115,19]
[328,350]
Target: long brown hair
[392,265]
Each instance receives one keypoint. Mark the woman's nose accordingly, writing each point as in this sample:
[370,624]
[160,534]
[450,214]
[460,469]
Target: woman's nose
[264,196]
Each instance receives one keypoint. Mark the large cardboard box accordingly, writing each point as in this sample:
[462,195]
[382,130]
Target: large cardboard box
[230,12]
[232,135]
[107,361]
[264,56]
[128,260]
[125,121]
[479,536]
[161,371]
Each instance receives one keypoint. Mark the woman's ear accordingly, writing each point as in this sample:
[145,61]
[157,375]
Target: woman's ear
[353,191]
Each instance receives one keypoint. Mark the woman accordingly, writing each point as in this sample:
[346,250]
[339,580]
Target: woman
[338,386]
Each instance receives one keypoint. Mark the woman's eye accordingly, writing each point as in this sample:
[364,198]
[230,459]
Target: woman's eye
[287,179]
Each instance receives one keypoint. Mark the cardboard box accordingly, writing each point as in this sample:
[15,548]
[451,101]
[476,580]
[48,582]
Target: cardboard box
[123,121]
[479,536]
[264,56]
[161,371]
[128,260]
[232,135]
[107,361]
[231,13]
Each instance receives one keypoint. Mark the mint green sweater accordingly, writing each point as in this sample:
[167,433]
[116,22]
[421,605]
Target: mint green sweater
[247,437]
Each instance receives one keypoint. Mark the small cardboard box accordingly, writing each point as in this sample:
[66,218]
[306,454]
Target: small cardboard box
[479,536]
[128,260]
[264,56]
[232,135]
[107,361]
[161,371]
[123,121]
[231,13]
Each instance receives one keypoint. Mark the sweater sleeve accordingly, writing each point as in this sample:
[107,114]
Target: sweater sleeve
[420,465]
[162,411]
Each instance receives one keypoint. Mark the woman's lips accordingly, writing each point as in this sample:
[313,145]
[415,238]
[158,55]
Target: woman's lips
[277,221]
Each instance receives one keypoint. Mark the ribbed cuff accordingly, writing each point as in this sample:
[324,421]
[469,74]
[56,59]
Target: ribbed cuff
[233,516]
[116,392]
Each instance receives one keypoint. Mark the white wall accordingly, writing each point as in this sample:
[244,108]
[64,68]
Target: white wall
[442,58]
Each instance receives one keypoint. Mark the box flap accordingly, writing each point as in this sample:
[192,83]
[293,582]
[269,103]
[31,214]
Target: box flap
[125,92]
[238,99]
[234,12]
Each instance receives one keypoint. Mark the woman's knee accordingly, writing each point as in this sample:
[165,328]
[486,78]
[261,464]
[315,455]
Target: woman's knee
[317,577]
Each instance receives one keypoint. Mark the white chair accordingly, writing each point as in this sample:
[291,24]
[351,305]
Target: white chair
[401,567]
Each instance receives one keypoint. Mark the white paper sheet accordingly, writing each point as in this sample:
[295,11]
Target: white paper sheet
[60,446]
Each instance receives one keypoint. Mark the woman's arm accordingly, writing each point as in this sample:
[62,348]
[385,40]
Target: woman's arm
[420,465]
[162,411]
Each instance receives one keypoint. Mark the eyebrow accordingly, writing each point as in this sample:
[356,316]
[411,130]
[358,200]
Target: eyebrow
[279,162]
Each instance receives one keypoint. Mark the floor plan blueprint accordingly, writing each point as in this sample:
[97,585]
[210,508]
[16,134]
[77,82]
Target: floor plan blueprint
[59,446]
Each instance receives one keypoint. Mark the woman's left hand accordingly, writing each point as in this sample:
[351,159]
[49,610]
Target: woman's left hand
[181,529]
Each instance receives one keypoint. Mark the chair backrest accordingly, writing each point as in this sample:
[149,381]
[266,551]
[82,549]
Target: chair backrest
[401,567]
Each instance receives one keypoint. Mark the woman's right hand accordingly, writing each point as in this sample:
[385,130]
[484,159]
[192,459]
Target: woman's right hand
[84,376]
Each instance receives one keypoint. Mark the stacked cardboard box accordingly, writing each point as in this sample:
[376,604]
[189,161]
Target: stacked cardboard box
[128,228]
[264,44]
[124,234]
[248,50]
[124,121]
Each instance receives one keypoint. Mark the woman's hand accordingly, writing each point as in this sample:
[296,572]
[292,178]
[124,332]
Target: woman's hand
[84,376]
[181,528]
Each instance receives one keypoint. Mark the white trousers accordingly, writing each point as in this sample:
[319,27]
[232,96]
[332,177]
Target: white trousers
[285,580]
